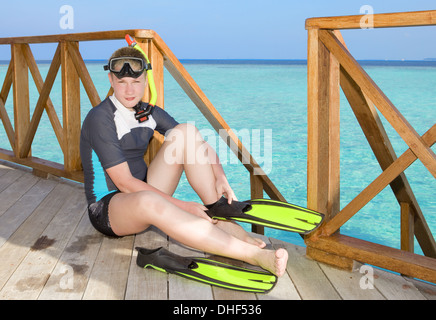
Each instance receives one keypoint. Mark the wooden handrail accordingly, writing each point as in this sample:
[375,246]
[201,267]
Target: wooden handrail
[331,67]
[78,37]
[380,20]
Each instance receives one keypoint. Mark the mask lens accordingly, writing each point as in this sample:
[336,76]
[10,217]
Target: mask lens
[136,64]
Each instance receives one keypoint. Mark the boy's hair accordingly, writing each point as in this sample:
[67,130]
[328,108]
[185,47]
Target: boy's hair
[127,52]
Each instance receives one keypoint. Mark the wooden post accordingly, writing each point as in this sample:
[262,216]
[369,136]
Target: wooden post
[407,228]
[256,187]
[4,117]
[144,44]
[323,128]
[71,110]
[20,79]
[44,88]
[333,203]
[156,60]
[314,200]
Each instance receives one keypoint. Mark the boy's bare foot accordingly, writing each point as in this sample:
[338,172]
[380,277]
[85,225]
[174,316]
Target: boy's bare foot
[281,261]
[274,261]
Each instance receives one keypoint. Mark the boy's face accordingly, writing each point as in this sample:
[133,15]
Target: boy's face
[129,91]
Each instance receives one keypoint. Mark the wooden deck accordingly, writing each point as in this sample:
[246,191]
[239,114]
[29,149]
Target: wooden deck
[49,250]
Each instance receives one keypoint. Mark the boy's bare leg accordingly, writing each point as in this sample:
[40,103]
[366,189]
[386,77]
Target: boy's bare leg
[237,231]
[166,169]
[134,212]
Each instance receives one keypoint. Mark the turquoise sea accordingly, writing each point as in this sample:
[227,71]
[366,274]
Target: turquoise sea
[266,103]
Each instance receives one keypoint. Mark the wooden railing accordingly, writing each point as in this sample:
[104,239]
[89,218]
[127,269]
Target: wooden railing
[331,67]
[67,57]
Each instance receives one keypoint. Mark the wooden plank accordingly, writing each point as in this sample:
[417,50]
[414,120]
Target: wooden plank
[369,120]
[83,73]
[256,192]
[7,84]
[313,79]
[306,274]
[9,175]
[381,20]
[71,111]
[47,166]
[15,191]
[384,105]
[407,228]
[49,107]
[4,170]
[20,80]
[428,290]
[395,287]
[185,289]
[378,255]
[84,36]
[19,244]
[109,275]
[334,165]
[70,276]
[330,258]
[44,101]
[323,128]
[23,208]
[147,284]
[31,275]
[348,284]
[156,60]
[144,44]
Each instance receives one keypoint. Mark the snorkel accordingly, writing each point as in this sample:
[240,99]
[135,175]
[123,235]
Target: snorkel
[153,94]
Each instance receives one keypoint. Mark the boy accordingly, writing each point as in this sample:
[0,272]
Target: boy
[125,197]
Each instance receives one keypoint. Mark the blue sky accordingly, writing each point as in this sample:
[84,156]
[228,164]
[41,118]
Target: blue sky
[220,29]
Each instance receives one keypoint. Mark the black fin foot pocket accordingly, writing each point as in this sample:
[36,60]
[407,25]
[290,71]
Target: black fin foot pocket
[223,209]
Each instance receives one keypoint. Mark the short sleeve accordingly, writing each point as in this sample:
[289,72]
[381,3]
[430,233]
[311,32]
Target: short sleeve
[164,121]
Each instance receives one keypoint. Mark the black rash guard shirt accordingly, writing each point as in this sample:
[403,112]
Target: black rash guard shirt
[111,135]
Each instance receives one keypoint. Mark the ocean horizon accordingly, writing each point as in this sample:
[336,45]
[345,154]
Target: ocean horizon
[427,62]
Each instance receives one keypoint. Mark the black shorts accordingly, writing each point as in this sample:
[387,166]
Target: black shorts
[99,215]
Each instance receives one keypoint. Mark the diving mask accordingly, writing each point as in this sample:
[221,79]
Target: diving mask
[127,67]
